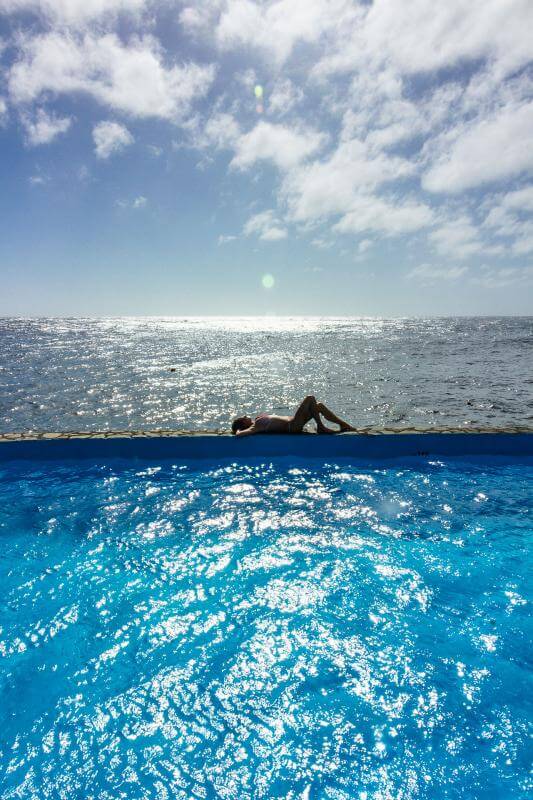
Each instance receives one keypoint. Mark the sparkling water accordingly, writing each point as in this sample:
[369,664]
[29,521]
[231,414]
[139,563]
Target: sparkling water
[95,374]
[265,630]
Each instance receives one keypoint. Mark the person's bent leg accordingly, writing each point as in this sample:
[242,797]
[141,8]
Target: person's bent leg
[307,411]
[331,417]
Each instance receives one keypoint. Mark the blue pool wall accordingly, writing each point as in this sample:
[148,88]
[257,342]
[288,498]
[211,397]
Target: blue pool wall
[212,447]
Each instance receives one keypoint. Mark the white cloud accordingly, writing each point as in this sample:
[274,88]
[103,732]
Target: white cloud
[3,110]
[351,149]
[491,149]
[272,28]
[37,180]
[43,127]
[72,12]
[221,131]
[504,215]
[390,135]
[421,36]
[110,137]
[371,213]
[500,278]
[322,244]
[135,204]
[334,185]
[129,78]
[285,95]
[511,217]
[523,243]
[426,273]
[282,145]
[225,239]
[266,226]
[520,199]
[458,237]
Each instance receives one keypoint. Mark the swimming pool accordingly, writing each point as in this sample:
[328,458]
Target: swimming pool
[278,628]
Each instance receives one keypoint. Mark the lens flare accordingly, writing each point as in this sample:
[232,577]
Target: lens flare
[268,281]
[258,91]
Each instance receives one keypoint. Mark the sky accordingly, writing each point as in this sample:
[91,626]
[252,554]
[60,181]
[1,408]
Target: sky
[219,157]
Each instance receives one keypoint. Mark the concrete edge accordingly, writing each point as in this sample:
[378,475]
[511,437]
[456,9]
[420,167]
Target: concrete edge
[38,436]
[223,447]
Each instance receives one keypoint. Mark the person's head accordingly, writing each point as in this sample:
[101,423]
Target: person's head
[241,424]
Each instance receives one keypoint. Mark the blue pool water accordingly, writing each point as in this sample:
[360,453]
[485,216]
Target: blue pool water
[265,630]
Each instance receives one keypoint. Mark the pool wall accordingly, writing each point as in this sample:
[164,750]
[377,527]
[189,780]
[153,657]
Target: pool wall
[206,446]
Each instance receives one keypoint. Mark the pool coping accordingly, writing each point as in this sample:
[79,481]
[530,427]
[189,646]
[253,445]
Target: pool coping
[364,444]
[30,436]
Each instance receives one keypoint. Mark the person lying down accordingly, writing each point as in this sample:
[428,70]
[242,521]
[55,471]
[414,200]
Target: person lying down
[272,423]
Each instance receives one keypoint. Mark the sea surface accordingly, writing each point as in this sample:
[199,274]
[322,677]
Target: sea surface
[266,630]
[115,373]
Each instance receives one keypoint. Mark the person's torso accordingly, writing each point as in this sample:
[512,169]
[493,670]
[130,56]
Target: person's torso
[271,422]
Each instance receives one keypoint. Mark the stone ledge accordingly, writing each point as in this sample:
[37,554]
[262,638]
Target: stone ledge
[33,436]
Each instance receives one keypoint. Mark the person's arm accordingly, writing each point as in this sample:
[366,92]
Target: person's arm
[248,432]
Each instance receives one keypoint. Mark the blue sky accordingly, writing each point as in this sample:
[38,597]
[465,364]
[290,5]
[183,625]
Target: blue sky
[367,158]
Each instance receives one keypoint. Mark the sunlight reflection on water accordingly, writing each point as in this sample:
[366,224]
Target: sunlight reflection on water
[81,374]
[264,630]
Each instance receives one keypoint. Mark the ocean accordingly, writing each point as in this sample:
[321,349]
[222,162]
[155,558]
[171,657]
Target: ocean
[197,373]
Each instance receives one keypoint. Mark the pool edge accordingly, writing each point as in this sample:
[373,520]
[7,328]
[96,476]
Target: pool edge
[216,446]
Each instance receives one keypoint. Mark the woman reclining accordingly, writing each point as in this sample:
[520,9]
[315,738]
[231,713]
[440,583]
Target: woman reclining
[272,423]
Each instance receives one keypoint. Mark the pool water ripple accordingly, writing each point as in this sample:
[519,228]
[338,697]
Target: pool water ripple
[265,630]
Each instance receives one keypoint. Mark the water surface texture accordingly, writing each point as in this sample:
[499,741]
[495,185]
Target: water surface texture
[98,374]
[269,630]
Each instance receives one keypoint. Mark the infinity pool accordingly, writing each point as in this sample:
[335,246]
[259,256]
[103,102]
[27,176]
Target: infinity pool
[265,630]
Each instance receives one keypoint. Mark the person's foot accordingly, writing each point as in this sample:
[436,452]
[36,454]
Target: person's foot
[322,429]
[347,428]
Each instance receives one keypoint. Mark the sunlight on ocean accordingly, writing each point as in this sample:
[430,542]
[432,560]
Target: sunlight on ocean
[115,373]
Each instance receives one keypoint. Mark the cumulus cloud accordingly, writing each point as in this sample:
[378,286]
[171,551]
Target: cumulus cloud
[130,78]
[511,217]
[282,145]
[419,38]
[273,28]
[503,215]
[523,244]
[500,278]
[358,139]
[37,180]
[221,131]
[110,137]
[485,277]
[519,200]
[491,149]
[136,203]
[427,273]
[267,226]
[334,184]
[285,95]
[43,127]
[321,243]
[457,237]
[372,213]
[71,12]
